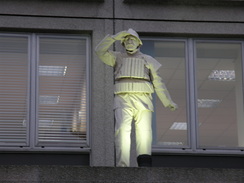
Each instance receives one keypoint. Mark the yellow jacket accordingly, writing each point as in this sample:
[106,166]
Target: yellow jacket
[133,73]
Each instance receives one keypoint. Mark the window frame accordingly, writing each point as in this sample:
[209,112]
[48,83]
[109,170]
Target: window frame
[215,149]
[191,97]
[19,35]
[32,94]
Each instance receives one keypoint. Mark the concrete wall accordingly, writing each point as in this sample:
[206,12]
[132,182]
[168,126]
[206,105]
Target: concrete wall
[62,174]
[221,20]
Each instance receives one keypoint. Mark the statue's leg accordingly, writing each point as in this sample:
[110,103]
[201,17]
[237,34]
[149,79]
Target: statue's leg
[143,121]
[143,138]
[123,117]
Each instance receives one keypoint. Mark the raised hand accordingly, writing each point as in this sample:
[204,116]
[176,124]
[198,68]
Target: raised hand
[120,35]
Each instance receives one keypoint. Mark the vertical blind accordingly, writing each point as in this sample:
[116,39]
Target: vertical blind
[60,114]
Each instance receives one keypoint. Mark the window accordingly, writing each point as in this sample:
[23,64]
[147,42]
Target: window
[205,79]
[44,91]
[219,94]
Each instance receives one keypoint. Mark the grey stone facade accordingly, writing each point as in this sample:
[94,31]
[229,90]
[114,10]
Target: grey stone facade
[64,174]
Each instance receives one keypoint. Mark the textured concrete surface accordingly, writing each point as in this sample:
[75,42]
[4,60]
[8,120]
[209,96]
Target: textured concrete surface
[173,11]
[61,174]
[63,8]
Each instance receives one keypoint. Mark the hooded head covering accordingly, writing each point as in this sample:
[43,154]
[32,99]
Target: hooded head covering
[132,33]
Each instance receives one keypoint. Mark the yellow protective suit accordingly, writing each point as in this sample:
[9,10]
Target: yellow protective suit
[136,78]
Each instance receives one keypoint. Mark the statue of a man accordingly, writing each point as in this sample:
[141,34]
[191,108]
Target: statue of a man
[136,78]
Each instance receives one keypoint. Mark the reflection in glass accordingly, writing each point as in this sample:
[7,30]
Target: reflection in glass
[219,83]
[170,128]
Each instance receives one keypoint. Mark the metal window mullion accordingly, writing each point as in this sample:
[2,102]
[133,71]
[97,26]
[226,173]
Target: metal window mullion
[242,65]
[88,89]
[33,94]
[242,74]
[192,112]
[28,130]
[36,130]
[187,77]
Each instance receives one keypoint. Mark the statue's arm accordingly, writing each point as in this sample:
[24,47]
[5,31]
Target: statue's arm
[102,49]
[160,88]
[103,52]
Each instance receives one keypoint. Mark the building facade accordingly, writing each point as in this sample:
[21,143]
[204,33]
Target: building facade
[57,96]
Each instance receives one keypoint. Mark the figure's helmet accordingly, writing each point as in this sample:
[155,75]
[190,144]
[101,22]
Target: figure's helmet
[133,33]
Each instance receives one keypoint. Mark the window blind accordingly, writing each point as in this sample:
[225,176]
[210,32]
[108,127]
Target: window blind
[14,85]
[62,92]
[43,91]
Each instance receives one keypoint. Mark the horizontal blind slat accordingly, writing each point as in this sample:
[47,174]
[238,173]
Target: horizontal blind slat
[13,89]
[62,110]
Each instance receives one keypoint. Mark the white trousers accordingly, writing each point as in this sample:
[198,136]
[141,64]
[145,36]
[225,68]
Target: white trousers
[124,117]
